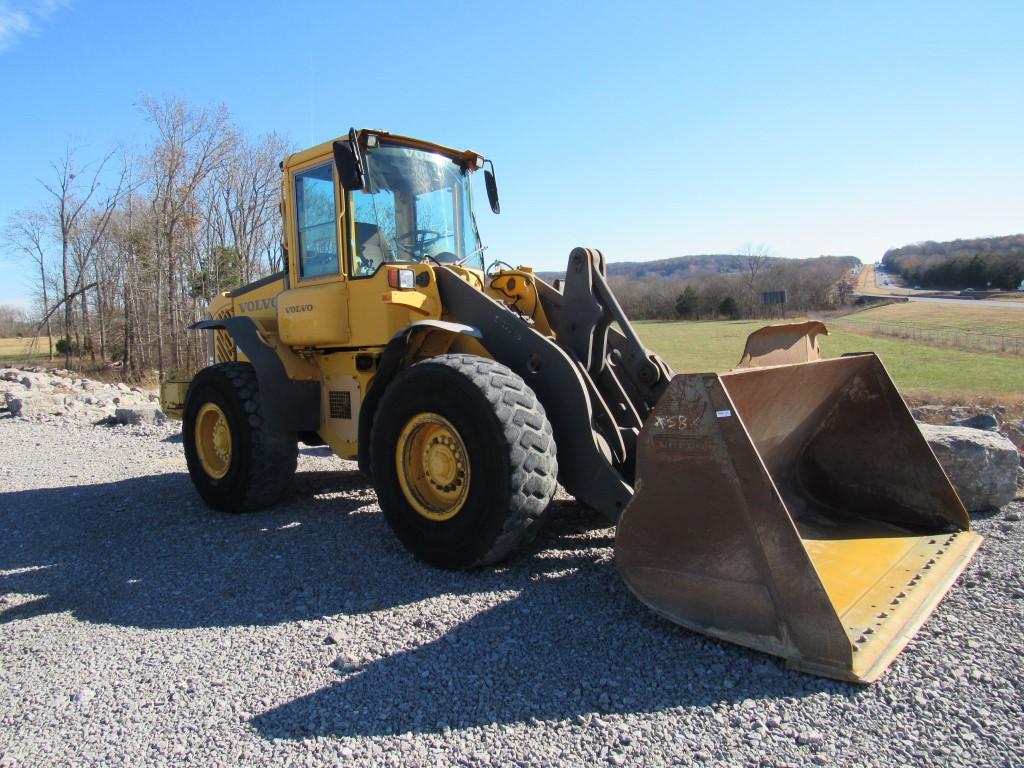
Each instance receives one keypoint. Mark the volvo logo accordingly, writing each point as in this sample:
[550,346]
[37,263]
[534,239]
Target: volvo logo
[256,305]
[299,308]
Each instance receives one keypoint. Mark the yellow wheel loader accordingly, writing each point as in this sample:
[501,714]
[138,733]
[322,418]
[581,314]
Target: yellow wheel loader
[790,505]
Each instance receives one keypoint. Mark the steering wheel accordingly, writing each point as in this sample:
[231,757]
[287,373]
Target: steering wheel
[415,242]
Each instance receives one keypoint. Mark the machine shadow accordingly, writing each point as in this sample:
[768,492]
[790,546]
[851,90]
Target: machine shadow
[566,647]
[146,552]
[572,643]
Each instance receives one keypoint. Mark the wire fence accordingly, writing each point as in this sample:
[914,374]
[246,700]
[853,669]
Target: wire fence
[974,341]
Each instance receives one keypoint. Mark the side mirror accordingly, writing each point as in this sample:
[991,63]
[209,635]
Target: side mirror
[349,162]
[492,188]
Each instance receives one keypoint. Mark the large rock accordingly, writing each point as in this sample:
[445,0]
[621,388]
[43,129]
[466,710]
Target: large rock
[35,405]
[139,414]
[982,465]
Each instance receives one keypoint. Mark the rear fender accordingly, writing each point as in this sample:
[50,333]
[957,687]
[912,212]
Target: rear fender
[288,405]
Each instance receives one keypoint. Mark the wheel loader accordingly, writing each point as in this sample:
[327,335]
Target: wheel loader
[790,505]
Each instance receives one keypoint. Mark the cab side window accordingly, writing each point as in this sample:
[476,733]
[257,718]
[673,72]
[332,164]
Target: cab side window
[316,215]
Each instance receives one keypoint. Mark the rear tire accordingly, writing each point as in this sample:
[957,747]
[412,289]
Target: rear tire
[236,462]
[463,460]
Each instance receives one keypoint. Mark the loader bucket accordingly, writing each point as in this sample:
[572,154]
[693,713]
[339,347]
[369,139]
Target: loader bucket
[795,509]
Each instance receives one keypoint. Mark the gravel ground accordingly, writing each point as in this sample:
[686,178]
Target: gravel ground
[139,628]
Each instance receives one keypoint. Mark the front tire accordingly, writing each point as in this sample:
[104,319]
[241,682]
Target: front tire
[236,462]
[463,460]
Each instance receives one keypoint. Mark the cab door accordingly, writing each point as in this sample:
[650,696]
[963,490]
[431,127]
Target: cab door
[314,312]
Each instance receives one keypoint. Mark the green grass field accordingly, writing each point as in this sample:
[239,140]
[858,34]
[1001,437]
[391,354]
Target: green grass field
[916,368]
[974,316]
[23,350]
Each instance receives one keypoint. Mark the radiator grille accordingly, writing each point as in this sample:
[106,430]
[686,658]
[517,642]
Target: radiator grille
[225,345]
[340,404]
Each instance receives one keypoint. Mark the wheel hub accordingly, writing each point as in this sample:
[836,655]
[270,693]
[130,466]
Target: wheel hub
[213,440]
[433,466]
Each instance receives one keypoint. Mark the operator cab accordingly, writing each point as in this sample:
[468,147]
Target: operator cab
[384,200]
[358,204]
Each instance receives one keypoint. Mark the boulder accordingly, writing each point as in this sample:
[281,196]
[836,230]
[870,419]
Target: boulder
[982,465]
[979,421]
[35,405]
[140,414]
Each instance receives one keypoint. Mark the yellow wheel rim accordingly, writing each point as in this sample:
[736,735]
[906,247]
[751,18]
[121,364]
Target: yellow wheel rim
[433,466]
[213,440]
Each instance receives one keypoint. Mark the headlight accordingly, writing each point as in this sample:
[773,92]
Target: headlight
[402,279]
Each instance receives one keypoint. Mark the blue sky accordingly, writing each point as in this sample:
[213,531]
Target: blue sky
[649,131]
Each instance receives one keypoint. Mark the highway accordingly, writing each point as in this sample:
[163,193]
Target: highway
[871,282]
[987,303]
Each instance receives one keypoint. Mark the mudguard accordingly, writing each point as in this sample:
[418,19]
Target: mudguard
[390,365]
[288,405]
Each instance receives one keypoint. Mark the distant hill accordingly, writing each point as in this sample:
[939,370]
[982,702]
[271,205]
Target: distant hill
[993,246]
[685,267]
[958,264]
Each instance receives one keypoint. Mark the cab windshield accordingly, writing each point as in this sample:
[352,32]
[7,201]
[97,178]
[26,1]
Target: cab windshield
[416,207]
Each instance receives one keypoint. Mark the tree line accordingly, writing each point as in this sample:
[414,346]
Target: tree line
[810,284]
[127,249]
[991,262]
[14,321]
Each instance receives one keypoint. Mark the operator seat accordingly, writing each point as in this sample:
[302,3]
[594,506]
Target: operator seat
[372,248]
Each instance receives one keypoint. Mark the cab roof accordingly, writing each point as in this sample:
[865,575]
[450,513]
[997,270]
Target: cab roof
[467,156]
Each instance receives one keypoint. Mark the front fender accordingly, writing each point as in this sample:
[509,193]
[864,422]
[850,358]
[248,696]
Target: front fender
[390,364]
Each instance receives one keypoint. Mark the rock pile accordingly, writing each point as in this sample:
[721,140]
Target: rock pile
[42,394]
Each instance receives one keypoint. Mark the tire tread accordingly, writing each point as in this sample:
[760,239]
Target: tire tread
[273,455]
[528,434]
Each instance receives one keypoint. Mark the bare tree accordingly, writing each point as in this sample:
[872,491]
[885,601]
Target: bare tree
[124,266]
[191,144]
[755,257]
[70,209]
[26,234]
[250,190]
